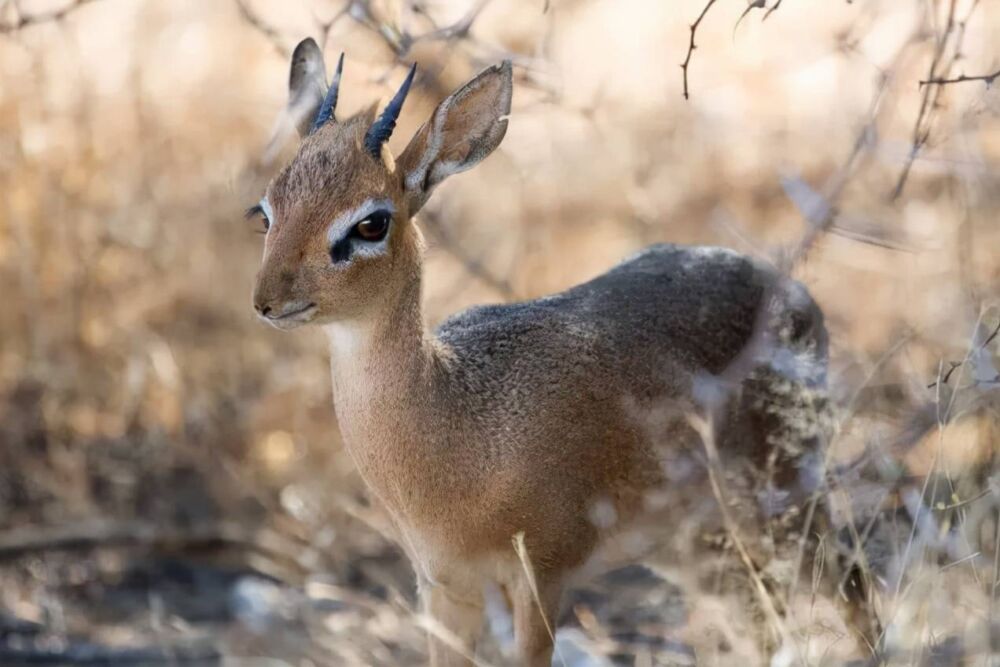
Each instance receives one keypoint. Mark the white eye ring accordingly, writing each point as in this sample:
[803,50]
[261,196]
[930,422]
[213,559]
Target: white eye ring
[343,224]
[265,206]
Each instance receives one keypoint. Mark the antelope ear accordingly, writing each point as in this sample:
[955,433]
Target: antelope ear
[306,85]
[464,129]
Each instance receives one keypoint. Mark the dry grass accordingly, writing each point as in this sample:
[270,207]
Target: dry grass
[137,392]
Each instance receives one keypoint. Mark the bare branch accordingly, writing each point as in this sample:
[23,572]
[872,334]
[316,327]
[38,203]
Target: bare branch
[692,46]
[472,265]
[753,4]
[326,26]
[267,30]
[819,210]
[976,348]
[947,375]
[931,94]
[770,11]
[988,78]
[990,338]
[25,20]
[457,30]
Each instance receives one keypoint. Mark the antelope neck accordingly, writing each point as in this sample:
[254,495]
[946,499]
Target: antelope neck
[375,360]
[382,389]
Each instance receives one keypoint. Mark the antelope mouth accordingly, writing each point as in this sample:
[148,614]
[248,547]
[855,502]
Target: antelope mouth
[292,318]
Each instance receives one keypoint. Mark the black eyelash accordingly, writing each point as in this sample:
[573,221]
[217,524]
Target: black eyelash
[255,211]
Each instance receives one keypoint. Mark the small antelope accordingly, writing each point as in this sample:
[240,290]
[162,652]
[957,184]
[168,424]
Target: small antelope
[515,422]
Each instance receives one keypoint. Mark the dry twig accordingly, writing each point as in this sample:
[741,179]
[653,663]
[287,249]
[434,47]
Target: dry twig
[24,20]
[267,30]
[457,30]
[705,427]
[975,349]
[472,265]
[521,549]
[772,10]
[931,94]
[961,78]
[752,5]
[692,46]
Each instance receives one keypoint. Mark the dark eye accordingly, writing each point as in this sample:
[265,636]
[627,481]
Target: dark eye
[257,211]
[374,227]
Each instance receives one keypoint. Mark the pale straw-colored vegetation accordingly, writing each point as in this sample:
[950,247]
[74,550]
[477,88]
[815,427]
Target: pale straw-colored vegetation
[164,486]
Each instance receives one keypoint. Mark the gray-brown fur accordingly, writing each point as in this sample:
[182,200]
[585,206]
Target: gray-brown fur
[522,418]
[595,357]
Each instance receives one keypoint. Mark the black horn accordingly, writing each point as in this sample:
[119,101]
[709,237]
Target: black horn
[381,129]
[330,101]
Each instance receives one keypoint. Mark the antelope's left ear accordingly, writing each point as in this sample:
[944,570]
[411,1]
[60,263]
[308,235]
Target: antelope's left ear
[464,129]
[306,84]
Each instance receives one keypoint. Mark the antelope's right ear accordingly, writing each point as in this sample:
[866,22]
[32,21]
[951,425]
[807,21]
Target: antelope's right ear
[465,128]
[306,85]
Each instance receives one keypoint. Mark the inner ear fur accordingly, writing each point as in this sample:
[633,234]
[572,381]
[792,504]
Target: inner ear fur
[464,129]
[306,84]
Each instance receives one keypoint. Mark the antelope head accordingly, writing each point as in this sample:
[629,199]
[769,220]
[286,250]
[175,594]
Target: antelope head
[340,239]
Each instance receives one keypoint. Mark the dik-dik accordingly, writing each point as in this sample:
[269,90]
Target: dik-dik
[555,420]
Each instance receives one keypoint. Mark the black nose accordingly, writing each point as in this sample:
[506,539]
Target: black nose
[263,310]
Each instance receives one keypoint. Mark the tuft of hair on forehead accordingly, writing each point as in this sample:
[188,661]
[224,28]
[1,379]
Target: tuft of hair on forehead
[331,166]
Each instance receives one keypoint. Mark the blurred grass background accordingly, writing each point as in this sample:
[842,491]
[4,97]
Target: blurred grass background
[145,414]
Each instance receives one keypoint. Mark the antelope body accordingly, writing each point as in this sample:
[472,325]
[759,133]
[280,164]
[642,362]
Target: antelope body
[515,419]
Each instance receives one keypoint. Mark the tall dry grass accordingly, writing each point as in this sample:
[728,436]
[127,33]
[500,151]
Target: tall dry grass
[137,392]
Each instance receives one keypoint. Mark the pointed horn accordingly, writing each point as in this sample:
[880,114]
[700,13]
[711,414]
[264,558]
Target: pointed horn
[330,102]
[381,129]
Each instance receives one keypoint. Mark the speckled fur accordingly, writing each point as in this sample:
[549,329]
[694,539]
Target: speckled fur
[517,418]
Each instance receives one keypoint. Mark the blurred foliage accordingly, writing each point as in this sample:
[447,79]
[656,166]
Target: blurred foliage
[136,386]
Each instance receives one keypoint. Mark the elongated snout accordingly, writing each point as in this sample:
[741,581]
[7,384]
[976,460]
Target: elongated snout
[286,314]
[277,304]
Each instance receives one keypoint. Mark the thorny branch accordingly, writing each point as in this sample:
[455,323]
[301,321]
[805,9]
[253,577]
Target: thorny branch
[692,46]
[753,4]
